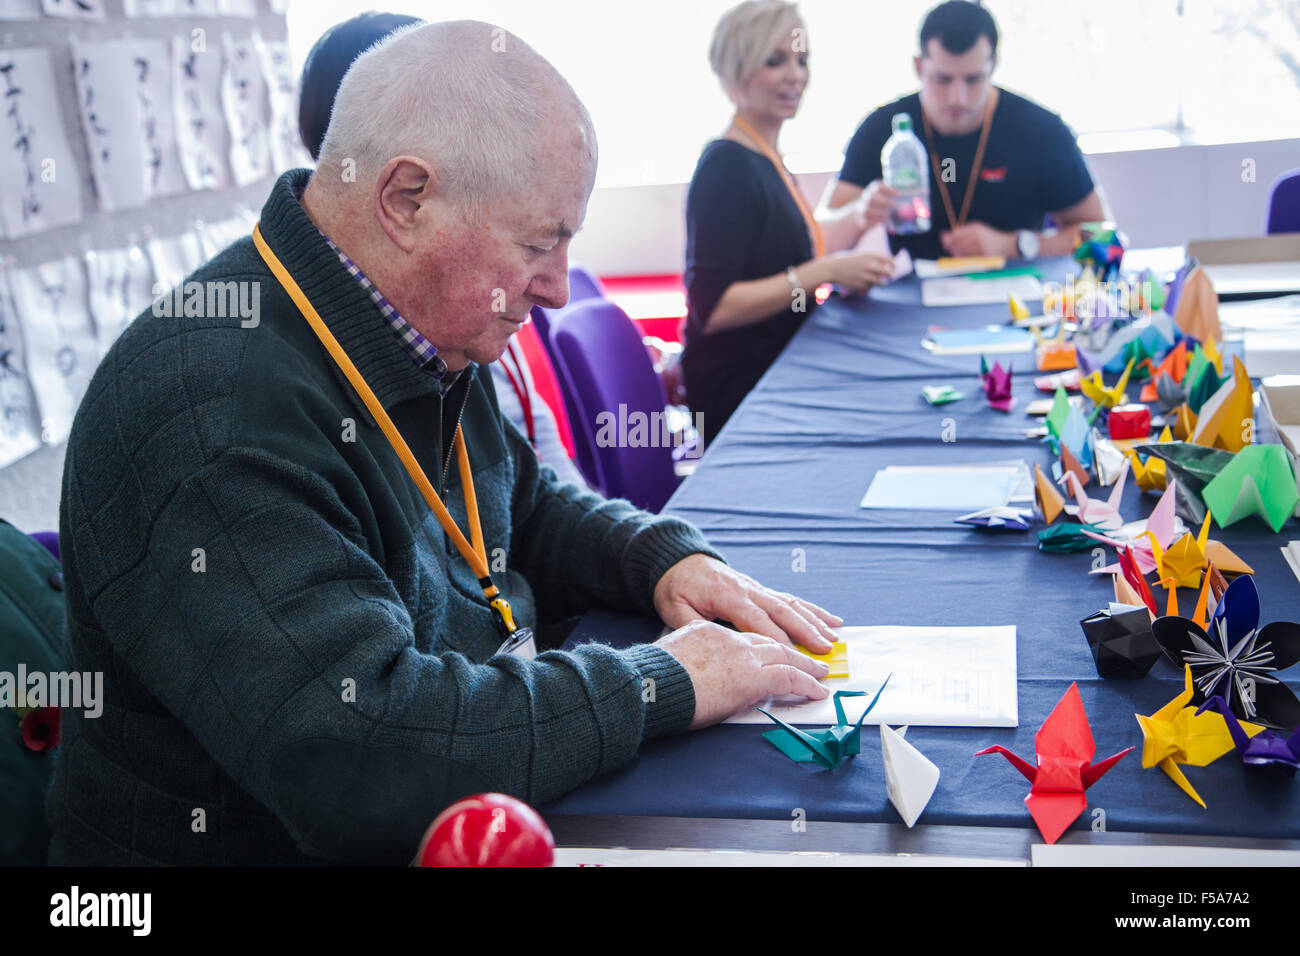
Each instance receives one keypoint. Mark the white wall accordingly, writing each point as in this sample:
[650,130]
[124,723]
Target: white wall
[1161,197]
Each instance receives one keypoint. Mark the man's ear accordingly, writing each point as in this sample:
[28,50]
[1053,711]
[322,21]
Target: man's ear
[407,185]
[916,65]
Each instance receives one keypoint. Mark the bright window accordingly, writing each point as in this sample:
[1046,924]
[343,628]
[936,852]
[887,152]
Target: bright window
[1216,70]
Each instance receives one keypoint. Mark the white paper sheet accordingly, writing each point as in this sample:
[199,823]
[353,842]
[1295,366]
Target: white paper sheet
[20,10]
[247,109]
[20,424]
[216,236]
[120,283]
[59,337]
[960,290]
[287,151]
[201,132]
[41,179]
[156,8]
[173,258]
[954,488]
[110,116]
[154,76]
[942,677]
[74,9]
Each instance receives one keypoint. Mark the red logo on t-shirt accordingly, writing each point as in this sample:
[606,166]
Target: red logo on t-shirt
[993,175]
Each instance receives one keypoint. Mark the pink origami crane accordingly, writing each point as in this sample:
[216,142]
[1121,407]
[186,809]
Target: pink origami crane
[1162,523]
[1104,514]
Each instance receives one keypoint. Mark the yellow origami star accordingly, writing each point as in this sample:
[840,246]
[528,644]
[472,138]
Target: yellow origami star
[1151,476]
[1176,734]
[1091,385]
[1185,559]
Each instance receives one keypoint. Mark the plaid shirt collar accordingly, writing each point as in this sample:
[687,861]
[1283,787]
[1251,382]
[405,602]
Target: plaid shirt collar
[422,352]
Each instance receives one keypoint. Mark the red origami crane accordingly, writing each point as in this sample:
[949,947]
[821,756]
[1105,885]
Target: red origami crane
[1065,769]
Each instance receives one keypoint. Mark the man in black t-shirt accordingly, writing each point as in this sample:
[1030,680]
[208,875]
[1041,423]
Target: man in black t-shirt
[1030,167]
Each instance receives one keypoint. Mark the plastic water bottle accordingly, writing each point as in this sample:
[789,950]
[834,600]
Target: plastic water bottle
[905,167]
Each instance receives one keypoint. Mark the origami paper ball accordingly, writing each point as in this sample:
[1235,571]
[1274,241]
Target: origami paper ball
[1122,644]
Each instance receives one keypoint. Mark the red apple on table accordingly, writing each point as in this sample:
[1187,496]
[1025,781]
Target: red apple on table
[487,829]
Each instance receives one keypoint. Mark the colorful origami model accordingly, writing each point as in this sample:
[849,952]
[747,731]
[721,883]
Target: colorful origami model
[1234,658]
[1017,308]
[1197,311]
[1054,354]
[1195,466]
[1160,528]
[1101,514]
[1064,769]
[1227,419]
[1150,475]
[1065,538]
[910,777]
[1107,460]
[1259,480]
[997,385]
[1150,293]
[1173,367]
[1181,565]
[1049,500]
[837,658]
[1092,386]
[998,518]
[1156,333]
[1101,246]
[1177,734]
[1266,749]
[827,747]
[1129,421]
[1123,647]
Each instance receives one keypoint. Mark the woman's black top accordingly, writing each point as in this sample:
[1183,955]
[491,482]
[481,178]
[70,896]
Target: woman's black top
[741,224]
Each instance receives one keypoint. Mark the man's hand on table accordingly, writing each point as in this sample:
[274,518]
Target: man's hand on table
[977,239]
[734,669]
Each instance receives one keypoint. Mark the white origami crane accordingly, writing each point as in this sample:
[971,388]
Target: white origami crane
[910,778]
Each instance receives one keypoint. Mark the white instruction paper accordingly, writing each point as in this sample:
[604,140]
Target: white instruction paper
[942,677]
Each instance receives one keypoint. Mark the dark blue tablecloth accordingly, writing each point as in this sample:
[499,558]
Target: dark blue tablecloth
[843,401]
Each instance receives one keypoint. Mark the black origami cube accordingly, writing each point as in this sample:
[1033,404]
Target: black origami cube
[1123,646]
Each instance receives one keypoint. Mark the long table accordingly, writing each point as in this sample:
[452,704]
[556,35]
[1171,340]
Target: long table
[784,479]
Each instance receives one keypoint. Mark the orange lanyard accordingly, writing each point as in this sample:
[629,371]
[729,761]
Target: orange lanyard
[955,221]
[473,551]
[814,230]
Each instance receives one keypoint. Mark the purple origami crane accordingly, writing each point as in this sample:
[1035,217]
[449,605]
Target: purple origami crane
[1268,748]
[997,385]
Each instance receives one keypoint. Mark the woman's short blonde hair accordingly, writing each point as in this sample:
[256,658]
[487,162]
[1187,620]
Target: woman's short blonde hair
[746,36]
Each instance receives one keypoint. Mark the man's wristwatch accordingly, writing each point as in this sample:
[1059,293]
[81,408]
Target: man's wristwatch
[1027,244]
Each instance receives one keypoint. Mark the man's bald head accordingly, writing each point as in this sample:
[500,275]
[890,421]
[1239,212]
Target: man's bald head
[469,98]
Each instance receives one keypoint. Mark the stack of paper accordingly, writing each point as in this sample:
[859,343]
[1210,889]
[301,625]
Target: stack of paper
[958,488]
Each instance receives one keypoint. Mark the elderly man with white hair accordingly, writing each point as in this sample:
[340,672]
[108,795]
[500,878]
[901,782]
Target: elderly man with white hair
[307,552]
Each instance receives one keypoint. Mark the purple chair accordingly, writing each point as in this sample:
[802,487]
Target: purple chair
[49,540]
[1284,204]
[620,401]
[583,284]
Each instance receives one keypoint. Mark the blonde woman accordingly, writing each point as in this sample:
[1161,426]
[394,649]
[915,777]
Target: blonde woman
[754,251]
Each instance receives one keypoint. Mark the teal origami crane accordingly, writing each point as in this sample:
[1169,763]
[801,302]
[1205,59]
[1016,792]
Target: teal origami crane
[827,747]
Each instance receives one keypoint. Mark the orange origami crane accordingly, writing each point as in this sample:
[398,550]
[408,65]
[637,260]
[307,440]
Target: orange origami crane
[1064,748]
[1174,365]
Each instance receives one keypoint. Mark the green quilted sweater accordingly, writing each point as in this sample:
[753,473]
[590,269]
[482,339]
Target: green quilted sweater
[298,664]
